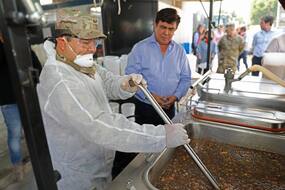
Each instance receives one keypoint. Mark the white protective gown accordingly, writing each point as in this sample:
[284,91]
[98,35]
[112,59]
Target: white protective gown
[82,131]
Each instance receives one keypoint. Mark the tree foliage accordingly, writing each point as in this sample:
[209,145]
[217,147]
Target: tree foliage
[261,8]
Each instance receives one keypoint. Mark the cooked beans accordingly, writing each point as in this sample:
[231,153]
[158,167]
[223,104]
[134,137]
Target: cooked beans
[233,167]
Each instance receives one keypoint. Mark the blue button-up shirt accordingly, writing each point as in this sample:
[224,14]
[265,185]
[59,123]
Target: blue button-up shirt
[202,51]
[167,74]
[260,42]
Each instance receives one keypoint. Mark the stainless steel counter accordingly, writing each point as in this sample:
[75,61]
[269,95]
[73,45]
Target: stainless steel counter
[250,91]
[254,118]
[251,102]
[144,167]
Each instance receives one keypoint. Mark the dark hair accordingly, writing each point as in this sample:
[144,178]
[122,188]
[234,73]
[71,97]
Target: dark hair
[168,15]
[199,26]
[282,3]
[268,19]
[243,28]
[230,25]
[53,39]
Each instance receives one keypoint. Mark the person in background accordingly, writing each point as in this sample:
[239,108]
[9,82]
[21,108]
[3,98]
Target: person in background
[164,65]
[82,131]
[230,47]
[202,51]
[277,44]
[244,53]
[197,37]
[219,33]
[11,114]
[261,40]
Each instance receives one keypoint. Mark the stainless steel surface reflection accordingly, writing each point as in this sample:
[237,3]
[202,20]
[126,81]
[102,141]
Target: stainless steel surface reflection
[223,134]
[250,91]
[143,170]
[254,118]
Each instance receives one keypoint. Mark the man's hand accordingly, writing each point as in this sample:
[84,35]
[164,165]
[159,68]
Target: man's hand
[165,101]
[136,78]
[160,100]
[169,101]
[176,135]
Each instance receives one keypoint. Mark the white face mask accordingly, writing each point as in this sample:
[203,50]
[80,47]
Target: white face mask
[82,60]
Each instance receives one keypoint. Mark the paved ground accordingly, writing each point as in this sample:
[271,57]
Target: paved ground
[3,134]
[7,177]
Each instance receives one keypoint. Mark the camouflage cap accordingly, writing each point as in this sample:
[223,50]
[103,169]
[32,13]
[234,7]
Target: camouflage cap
[74,23]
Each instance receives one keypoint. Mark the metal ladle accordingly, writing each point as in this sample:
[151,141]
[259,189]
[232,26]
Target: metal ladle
[167,120]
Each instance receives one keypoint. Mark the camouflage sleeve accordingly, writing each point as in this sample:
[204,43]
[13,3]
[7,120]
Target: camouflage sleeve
[242,45]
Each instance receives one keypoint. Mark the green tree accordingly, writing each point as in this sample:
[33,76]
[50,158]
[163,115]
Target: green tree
[261,8]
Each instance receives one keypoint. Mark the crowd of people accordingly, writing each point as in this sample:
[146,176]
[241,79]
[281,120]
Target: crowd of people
[231,45]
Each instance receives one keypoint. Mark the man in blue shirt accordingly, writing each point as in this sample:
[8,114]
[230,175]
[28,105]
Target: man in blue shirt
[164,65]
[261,40]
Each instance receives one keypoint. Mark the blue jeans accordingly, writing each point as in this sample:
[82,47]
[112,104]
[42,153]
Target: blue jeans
[243,56]
[13,123]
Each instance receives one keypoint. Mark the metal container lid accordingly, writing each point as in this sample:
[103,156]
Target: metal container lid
[260,119]
[251,92]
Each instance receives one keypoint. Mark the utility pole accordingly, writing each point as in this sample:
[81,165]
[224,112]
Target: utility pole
[209,35]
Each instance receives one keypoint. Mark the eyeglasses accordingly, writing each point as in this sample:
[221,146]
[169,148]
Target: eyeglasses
[99,42]
[87,43]
[90,42]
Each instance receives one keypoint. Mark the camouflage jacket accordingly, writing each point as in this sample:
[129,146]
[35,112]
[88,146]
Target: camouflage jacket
[229,50]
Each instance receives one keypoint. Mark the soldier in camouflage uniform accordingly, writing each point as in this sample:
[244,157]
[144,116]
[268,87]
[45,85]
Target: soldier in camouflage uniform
[230,47]
[82,131]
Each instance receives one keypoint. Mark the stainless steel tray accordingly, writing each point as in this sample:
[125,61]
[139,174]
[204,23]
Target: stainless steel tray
[146,167]
[234,137]
[238,115]
[250,91]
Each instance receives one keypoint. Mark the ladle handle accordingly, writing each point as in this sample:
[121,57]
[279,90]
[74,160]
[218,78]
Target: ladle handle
[201,79]
[188,148]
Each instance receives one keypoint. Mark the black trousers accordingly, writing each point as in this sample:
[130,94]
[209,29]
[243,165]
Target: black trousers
[200,71]
[256,61]
[144,114]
